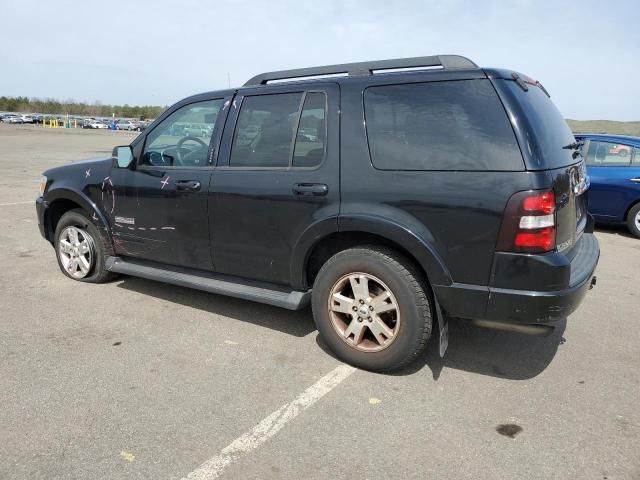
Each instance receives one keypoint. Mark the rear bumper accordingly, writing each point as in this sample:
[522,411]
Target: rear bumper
[517,306]
[529,306]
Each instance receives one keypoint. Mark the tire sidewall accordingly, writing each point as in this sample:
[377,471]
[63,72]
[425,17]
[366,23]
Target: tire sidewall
[75,218]
[631,220]
[412,315]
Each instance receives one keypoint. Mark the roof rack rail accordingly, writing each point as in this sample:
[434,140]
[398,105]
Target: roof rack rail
[447,62]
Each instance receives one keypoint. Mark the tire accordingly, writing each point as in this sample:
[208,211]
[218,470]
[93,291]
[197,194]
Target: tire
[89,238]
[633,220]
[409,324]
[623,152]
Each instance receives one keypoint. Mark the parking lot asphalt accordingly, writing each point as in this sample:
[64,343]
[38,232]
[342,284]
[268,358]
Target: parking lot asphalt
[136,379]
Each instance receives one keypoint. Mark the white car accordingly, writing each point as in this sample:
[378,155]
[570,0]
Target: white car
[12,119]
[97,124]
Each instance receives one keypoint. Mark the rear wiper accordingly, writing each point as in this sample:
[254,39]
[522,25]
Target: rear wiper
[574,146]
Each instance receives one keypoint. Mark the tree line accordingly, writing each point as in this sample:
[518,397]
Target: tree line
[71,107]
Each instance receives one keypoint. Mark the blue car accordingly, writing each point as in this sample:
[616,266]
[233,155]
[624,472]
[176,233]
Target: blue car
[613,165]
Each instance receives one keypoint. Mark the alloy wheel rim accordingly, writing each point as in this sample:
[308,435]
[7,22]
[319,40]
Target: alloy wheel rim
[638,220]
[76,251]
[364,312]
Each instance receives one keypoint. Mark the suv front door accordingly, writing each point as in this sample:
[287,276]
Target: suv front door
[160,207]
[277,176]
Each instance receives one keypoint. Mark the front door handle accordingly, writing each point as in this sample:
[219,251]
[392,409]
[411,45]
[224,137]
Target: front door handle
[636,180]
[188,185]
[310,189]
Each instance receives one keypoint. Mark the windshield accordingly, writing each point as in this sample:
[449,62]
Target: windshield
[548,127]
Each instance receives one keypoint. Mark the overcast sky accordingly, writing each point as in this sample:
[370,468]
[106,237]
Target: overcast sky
[586,53]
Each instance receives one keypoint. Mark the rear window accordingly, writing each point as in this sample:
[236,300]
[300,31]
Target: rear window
[450,125]
[547,124]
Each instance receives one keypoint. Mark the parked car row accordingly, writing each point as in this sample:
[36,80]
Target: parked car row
[16,118]
[36,118]
[75,121]
[122,124]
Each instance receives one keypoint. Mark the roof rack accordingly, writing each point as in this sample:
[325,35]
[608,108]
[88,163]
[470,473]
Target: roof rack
[447,62]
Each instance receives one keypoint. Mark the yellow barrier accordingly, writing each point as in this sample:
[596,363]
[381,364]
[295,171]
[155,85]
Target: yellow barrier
[55,123]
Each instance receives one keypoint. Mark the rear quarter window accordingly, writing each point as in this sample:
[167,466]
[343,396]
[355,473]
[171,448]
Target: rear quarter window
[449,125]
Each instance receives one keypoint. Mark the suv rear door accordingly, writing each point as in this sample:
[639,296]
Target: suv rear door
[272,181]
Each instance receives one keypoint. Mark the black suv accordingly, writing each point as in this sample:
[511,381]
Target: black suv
[390,195]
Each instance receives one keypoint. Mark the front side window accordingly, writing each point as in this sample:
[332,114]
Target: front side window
[182,139]
[273,132]
[608,154]
[449,125]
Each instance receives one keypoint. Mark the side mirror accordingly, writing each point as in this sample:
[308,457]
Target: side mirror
[122,156]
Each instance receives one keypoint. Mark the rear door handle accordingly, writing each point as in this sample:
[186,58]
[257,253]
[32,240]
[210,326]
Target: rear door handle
[636,180]
[310,189]
[188,185]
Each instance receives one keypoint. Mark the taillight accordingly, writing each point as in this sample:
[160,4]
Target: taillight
[544,202]
[529,223]
[543,240]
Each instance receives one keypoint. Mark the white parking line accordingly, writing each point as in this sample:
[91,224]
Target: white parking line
[17,203]
[270,426]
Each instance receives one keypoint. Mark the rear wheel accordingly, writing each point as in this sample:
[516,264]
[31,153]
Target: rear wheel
[371,308]
[80,249]
[633,220]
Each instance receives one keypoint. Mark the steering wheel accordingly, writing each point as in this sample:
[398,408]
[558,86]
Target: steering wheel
[182,141]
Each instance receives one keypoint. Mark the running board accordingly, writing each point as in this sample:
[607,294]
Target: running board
[210,282]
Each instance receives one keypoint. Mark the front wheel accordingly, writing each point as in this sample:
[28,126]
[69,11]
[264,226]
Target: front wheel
[372,308]
[633,220]
[80,249]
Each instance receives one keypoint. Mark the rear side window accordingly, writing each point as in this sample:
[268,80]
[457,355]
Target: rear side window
[607,154]
[450,125]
